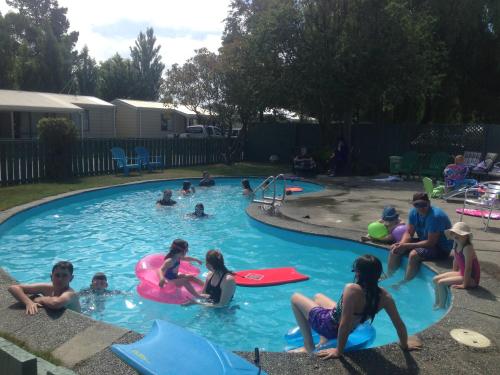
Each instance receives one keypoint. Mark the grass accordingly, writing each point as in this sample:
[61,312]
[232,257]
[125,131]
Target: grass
[12,196]
[39,353]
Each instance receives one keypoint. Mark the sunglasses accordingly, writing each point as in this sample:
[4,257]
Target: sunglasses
[61,275]
[420,205]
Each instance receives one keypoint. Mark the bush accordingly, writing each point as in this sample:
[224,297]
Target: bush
[58,136]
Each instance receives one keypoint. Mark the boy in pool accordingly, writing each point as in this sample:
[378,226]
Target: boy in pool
[206,180]
[167,199]
[55,295]
[94,296]
[98,285]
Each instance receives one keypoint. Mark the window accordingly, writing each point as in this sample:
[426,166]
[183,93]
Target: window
[86,121]
[166,122]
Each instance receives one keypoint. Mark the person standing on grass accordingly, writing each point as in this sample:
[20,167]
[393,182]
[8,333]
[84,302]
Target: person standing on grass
[55,295]
[429,223]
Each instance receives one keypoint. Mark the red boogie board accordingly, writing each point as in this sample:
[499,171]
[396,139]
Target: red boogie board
[268,277]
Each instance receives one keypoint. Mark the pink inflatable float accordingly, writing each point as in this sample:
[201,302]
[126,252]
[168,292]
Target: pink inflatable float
[146,271]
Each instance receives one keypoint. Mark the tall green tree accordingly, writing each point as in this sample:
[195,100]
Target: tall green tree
[116,79]
[86,73]
[44,48]
[470,32]
[147,66]
[331,58]
[7,51]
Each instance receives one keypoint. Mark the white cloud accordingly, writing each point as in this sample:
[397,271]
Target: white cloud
[180,25]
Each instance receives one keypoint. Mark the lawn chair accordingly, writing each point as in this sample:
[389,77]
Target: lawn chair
[150,162]
[495,172]
[483,168]
[432,192]
[485,198]
[472,158]
[409,164]
[438,162]
[122,162]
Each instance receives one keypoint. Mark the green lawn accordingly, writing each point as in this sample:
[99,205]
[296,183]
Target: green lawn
[15,195]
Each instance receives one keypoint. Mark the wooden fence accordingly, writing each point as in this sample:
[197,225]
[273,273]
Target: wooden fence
[23,161]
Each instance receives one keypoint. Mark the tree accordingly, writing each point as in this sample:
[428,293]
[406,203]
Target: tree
[116,79]
[7,51]
[44,48]
[58,134]
[147,66]
[330,58]
[470,89]
[86,73]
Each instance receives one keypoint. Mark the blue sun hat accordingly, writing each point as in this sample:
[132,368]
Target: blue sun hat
[389,214]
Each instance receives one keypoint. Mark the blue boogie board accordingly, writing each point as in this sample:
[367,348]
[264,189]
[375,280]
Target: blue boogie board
[359,338]
[172,350]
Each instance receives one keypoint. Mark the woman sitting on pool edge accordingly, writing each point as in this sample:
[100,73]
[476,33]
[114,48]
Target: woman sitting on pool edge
[359,302]
[219,284]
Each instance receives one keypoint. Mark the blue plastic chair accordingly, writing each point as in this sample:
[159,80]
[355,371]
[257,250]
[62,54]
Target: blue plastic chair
[122,162]
[151,162]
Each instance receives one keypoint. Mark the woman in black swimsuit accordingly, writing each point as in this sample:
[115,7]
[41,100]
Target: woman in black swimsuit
[220,284]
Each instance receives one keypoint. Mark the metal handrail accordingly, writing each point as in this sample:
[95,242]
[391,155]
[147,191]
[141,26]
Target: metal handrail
[264,186]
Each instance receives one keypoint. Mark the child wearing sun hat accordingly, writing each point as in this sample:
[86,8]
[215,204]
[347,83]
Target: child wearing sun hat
[466,271]
[388,229]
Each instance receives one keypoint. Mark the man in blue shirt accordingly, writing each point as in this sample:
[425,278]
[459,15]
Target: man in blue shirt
[429,223]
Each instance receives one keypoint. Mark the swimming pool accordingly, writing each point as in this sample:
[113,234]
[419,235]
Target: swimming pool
[110,230]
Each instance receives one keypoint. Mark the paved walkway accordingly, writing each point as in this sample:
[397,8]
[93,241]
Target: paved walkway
[342,210]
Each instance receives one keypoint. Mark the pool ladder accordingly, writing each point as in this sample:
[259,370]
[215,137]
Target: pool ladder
[265,186]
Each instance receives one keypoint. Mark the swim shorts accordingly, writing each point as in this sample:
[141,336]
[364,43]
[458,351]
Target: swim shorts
[320,319]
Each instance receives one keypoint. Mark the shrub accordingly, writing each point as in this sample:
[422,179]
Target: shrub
[58,135]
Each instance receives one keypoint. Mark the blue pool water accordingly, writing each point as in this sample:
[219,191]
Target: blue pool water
[110,230]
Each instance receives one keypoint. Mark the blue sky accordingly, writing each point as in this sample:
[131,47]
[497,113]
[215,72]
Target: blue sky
[181,26]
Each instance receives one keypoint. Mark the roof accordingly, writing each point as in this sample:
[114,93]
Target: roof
[142,104]
[30,101]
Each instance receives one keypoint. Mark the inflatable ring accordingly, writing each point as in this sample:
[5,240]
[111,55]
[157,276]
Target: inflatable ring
[359,338]
[377,230]
[146,271]
[294,189]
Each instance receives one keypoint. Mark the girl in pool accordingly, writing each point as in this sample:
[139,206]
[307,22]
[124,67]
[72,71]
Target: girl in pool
[390,218]
[187,189]
[169,271]
[247,189]
[360,301]
[466,271]
[199,212]
[220,284]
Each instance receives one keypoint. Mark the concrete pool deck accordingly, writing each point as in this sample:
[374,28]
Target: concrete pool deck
[342,210]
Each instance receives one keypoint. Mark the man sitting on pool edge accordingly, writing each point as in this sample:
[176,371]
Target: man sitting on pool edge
[429,223]
[55,295]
